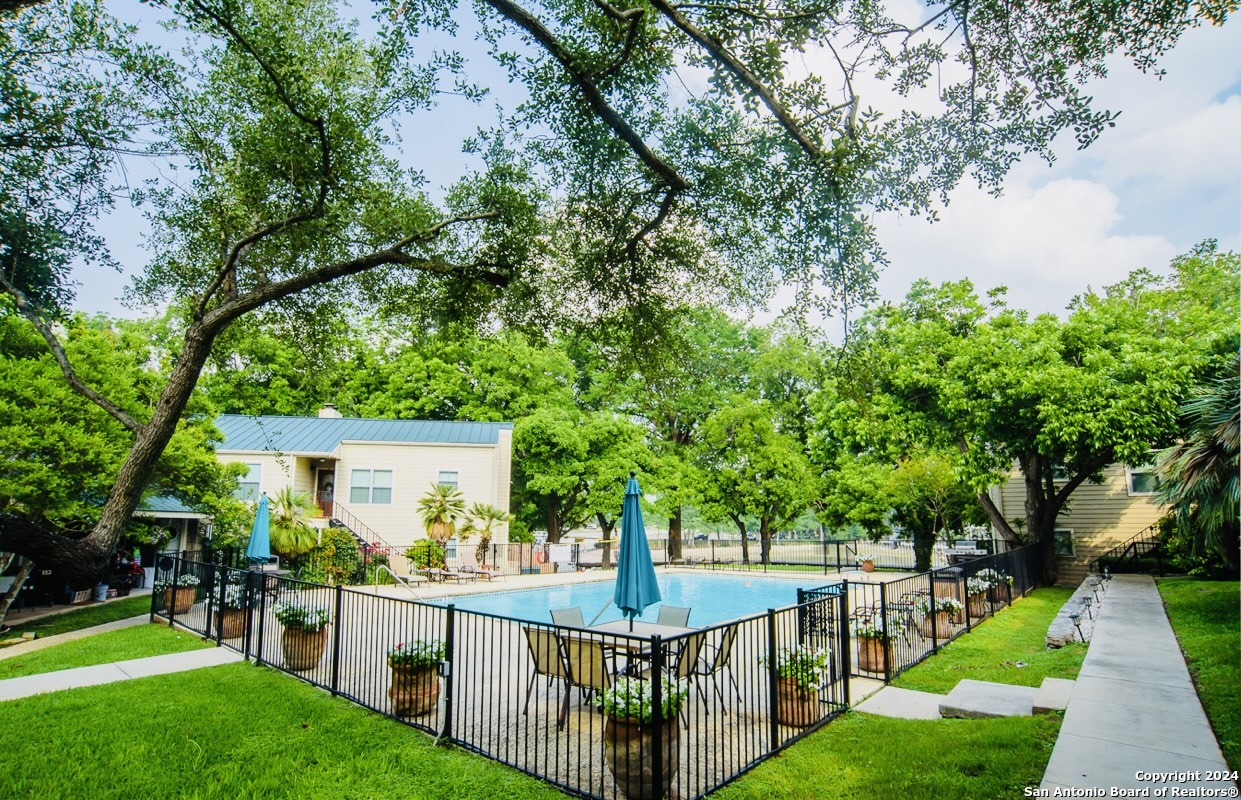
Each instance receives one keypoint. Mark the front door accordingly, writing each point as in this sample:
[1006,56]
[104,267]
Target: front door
[325,483]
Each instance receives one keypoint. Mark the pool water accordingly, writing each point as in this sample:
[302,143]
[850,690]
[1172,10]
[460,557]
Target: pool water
[713,598]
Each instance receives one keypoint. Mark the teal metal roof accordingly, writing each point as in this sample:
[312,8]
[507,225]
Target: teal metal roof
[163,505]
[324,434]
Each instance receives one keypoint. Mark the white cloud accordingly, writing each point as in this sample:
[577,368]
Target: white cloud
[1046,243]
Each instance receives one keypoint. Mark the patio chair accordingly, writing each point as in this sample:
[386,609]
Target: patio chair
[482,572]
[589,669]
[545,649]
[717,659]
[686,665]
[568,617]
[675,616]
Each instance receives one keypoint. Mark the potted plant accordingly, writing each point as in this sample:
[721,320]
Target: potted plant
[179,595]
[998,585]
[801,670]
[629,735]
[867,564]
[233,607]
[977,588]
[415,686]
[872,634]
[938,620]
[305,633]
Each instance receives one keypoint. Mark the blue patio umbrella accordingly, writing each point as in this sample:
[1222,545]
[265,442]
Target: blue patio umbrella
[636,584]
[259,548]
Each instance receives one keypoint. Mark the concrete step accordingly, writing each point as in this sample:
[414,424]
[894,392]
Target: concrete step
[1053,695]
[972,699]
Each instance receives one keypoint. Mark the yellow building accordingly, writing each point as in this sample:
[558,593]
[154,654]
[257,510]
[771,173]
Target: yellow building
[1097,517]
[370,473]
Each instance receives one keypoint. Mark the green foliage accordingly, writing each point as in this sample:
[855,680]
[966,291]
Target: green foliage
[1200,474]
[633,698]
[427,554]
[416,654]
[440,508]
[62,453]
[289,523]
[334,560]
[808,667]
[302,615]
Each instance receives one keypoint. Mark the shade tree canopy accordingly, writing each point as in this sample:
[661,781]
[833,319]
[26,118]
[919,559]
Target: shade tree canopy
[280,120]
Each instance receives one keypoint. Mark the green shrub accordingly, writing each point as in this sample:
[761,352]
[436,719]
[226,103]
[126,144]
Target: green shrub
[427,555]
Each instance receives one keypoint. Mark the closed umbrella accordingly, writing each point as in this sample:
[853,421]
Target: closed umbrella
[636,584]
[259,548]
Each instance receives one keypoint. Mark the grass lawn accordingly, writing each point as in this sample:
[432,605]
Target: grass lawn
[111,611]
[1206,616]
[105,648]
[234,731]
[991,651]
[861,755]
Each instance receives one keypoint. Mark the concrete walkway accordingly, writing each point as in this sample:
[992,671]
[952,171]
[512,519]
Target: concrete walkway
[1134,720]
[15,688]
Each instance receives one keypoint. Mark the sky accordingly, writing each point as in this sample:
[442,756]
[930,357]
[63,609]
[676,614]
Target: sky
[1166,177]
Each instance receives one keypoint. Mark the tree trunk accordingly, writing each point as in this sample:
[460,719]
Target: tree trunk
[607,526]
[924,545]
[25,567]
[764,538]
[82,562]
[745,545]
[551,518]
[1041,512]
[674,534]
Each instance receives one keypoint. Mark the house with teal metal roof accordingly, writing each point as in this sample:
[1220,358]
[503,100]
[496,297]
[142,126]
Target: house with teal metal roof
[369,473]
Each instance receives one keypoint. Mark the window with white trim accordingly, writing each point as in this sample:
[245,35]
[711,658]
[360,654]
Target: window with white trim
[248,484]
[450,477]
[370,486]
[1064,544]
[1142,479]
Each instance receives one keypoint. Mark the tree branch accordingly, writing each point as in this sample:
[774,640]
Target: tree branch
[225,313]
[27,310]
[742,73]
[525,20]
[632,18]
[665,208]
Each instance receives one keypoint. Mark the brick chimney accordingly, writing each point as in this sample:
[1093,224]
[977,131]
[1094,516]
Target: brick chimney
[329,412]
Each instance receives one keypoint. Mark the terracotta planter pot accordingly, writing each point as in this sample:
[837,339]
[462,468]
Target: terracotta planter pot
[868,566]
[998,594]
[232,622]
[629,751]
[978,605]
[415,691]
[943,626]
[872,655]
[796,706]
[303,649]
[180,598]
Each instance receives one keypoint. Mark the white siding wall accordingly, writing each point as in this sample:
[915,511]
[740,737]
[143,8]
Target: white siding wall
[275,470]
[1101,516]
[482,471]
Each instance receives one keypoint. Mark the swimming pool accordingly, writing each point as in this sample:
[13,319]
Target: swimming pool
[713,598]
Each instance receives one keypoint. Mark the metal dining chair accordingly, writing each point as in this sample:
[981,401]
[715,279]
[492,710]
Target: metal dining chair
[568,617]
[548,658]
[675,616]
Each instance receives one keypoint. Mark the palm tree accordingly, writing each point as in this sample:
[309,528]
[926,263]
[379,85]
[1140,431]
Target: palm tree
[440,508]
[485,520]
[1200,474]
[291,534]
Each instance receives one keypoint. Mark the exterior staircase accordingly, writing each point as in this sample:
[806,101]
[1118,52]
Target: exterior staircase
[369,542]
[1143,553]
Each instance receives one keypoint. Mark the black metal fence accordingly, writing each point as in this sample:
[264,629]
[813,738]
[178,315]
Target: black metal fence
[895,624]
[525,693]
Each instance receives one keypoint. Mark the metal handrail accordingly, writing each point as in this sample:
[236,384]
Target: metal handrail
[360,530]
[1148,534]
[399,582]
